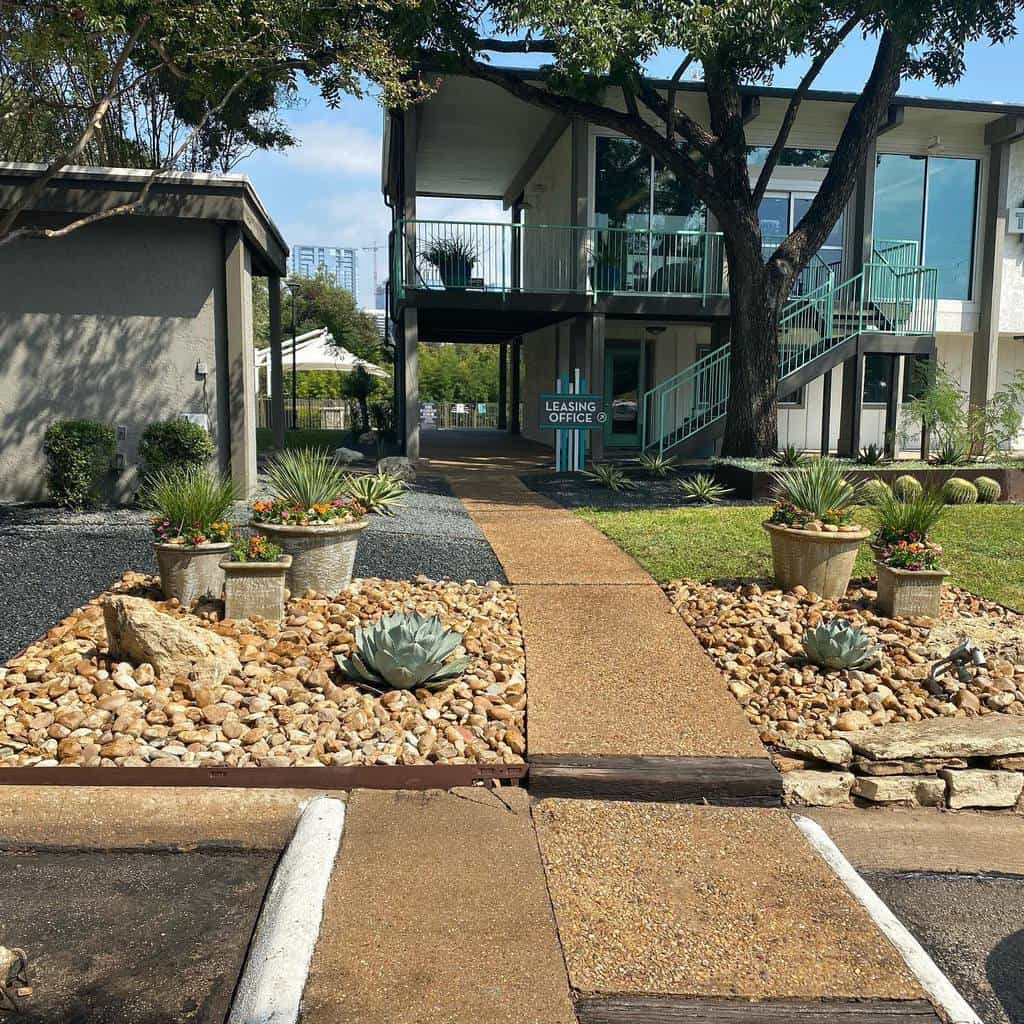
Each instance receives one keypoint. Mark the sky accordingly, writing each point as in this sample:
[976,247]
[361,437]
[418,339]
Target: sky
[326,191]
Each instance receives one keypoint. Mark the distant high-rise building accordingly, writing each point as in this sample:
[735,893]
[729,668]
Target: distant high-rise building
[380,296]
[339,264]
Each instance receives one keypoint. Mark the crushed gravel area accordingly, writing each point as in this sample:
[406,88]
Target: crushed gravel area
[56,560]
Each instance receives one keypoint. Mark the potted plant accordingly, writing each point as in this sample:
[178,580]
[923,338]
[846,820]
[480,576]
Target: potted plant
[190,505]
[910,579]
[453,258]
[311,517]
[255,574]
[814,541]
[908,516]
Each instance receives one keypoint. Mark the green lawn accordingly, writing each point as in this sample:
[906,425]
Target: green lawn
[984,544]
[329,439]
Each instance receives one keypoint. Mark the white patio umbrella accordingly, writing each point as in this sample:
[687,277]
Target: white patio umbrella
[314,350]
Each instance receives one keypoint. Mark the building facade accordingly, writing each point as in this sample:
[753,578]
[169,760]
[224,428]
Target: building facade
[608,265]
[341,265]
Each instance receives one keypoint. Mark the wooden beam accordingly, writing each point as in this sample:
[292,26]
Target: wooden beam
[893,118]
[552,132]
[826,413]
[1007,128]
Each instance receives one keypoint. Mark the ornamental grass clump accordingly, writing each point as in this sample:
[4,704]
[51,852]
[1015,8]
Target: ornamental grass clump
[404,651]
[907,519]
[818,492]
[190,505]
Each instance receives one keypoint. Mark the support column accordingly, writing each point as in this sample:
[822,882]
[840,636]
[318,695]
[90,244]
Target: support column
[241,361]
[503,386]
[985,351]
[515,424]
[892,406]
[853,405]
[276,367]
[863,230]
[411,382]
[595,381]
[408,202]
[826,413]
[578,201]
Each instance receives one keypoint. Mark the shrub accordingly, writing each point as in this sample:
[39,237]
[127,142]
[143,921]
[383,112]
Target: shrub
[190,502]
[875,490]
[78,454]
[907,488]
[820,490]
[989,490]
[958,491]
[704,488]
[174,443]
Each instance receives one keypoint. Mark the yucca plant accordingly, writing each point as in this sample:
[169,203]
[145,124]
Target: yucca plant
[404,651]
[305,477]
[836,644]
[703,488]
[187,499]
[657,464]
[909,519]
[380,493]
[790,457]
[607,474]
[820,489]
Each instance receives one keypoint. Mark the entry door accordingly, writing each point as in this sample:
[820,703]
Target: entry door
[623,388]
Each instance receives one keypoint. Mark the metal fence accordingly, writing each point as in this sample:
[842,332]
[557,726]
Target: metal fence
[463,415]
[310,414]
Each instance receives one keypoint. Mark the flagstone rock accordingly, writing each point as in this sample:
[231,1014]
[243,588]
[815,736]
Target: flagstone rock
[837,752]
[902,789]
[978,787]
[991,736]
[817,789]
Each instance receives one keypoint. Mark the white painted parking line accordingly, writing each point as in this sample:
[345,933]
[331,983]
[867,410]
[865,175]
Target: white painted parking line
[940,989]
[274,977]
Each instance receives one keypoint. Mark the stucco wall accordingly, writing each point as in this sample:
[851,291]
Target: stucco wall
[107,324]
[1011,306]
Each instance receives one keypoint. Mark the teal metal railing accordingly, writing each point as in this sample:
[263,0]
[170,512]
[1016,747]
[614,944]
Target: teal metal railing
[506,258]
[898,299]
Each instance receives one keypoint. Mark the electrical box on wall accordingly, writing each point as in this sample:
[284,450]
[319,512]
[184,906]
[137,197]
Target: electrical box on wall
[1015,221]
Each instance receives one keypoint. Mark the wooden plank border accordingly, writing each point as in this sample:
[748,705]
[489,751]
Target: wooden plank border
[675,1010]
[733,781]
[341,777]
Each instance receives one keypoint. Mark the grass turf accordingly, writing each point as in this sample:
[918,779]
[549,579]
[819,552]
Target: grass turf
[329,439]
[984,544]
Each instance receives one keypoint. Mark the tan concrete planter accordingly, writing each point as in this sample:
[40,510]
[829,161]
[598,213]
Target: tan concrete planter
[189,573]
[821,562]
[255,589]
[322,555]
[903,594]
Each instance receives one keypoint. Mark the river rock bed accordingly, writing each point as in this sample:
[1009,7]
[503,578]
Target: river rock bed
[753,634]
[64,701]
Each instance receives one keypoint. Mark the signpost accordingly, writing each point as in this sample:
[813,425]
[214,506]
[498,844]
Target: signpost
[570,412]
[428,415]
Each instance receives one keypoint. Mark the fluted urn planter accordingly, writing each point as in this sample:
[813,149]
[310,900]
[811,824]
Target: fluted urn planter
[255,589]
[821,561]
[190,572]
[322,555]
[909,593]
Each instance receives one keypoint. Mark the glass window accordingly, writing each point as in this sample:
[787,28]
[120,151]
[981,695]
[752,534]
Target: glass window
[773,213]
[622,195]
[876,378]
[915,376]
[756,156]
[899,198]
[949,224]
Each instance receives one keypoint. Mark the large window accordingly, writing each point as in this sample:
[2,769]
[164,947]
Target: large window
[930,201]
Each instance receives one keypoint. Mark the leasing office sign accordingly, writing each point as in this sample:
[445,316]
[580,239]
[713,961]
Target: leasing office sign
[571,412]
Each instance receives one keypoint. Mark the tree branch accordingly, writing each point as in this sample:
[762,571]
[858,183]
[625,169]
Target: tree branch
[789,118]
[517,45]
[677,75]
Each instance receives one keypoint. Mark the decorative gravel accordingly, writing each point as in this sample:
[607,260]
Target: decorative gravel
[55,560]
[64,701]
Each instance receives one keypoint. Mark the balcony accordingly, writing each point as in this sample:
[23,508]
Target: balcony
[504,259]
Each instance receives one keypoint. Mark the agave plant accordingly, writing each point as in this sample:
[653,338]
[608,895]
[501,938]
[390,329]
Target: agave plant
[872,455]
[820,489]
[657,464]
[837,644]
[951,451]
[403,651]
[703,488]
[790,457]
[377,492]
[305,477]
[607,474]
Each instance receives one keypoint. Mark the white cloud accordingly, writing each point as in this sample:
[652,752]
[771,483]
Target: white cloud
[337,146]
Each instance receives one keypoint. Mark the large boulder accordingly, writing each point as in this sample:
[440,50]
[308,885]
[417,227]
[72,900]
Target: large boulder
[345,456]
[975,787]
[990,736]
[138,631]
[397,466]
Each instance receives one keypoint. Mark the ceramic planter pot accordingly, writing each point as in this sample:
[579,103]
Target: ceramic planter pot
[821,562]
[907,594]
[190,573]
[255,589]
[322,555]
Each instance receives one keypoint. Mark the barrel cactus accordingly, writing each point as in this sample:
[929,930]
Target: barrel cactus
[874,490]
[837,644]
[403,651]
[958,491]
[907,488]
[989,490]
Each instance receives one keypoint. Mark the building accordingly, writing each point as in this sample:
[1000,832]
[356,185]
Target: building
[610,266]
[133,319]
[339,264]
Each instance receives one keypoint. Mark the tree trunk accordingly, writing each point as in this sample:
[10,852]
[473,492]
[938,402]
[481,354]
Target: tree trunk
[751,422]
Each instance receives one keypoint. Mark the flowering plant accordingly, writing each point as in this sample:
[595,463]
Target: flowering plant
[254,547]
[281,512]
[197,533]
[914,556]
[785,513]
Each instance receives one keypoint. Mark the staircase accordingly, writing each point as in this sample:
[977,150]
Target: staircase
[892,295]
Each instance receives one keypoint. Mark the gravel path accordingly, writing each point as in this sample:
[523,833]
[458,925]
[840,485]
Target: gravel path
[55,560]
